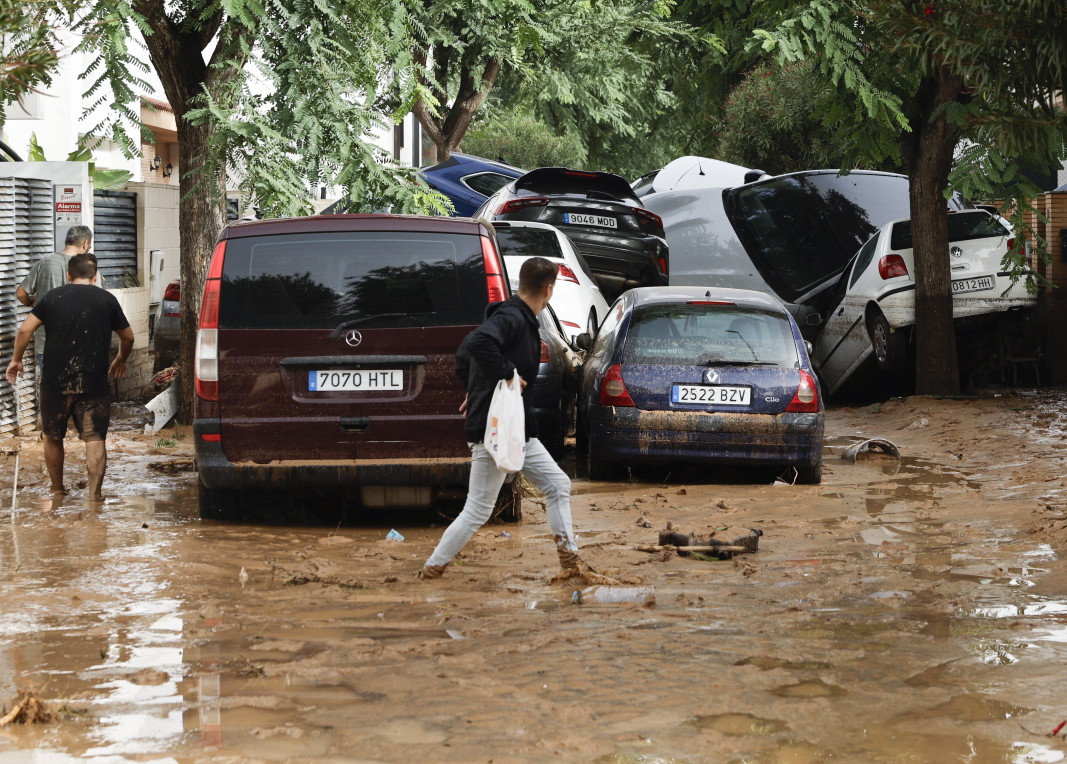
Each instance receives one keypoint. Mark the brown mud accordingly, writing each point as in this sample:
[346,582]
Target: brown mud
[911,610]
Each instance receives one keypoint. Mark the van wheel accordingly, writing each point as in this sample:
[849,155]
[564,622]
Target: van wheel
[508,507]
[216,504]
[809,475]
[890,347]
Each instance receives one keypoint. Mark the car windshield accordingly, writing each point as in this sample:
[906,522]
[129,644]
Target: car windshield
[527,242]
[962,226]
[707,334]
[801,229]
[370,279]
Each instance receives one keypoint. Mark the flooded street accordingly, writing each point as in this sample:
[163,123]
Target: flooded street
[911,610]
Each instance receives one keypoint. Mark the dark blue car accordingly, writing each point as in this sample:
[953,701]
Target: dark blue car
[469,180]
[705,376]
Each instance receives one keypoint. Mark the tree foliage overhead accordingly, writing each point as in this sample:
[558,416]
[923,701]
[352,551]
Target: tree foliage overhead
[586,68]
[517,137]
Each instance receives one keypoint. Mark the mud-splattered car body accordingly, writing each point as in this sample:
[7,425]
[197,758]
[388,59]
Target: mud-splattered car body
[712,376]
[872,311]
[552,395]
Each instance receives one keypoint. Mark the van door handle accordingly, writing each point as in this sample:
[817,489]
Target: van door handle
[354,423]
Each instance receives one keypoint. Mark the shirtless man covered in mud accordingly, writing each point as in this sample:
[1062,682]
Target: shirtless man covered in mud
[507,343]
[79,319]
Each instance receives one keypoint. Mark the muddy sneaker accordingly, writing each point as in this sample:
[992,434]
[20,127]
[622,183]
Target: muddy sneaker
[430,571]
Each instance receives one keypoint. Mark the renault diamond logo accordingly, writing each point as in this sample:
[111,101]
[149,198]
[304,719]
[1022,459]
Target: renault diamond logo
[710,375]
[956,252]
[353,337]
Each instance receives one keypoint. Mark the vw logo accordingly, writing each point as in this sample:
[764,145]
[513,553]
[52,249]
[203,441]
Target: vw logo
[956,252]
[711,375]
[353,338]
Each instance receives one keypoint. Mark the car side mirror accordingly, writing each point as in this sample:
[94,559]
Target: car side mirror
[813,319]
[583,341]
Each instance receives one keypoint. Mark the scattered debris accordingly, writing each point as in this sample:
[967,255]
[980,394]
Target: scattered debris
[644,522]
[723,543]
[682,492]
[174,466]
[864,446]
[165,405]
[605,595]
[1058,728]
[28,709]
[393,536]
[242,577]
[505,535]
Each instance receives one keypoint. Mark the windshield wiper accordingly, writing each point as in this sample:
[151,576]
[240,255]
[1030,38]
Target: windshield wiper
[365,319]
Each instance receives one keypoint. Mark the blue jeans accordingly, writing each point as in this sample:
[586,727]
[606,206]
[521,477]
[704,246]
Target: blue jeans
[485,483]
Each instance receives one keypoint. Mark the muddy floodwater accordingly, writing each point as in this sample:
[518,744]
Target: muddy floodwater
[910,610]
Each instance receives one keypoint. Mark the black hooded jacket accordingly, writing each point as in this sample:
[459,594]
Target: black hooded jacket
[506,342]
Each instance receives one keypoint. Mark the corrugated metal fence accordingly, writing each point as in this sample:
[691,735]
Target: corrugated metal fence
[115,237]
[25,237]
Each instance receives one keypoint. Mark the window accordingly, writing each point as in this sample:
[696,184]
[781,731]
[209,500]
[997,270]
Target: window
[528,242]
[686,335]
[381,279]
[863,258]
[962,226]
[486,183]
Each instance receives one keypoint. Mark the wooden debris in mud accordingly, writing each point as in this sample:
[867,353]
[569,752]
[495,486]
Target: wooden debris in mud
[722,543]
[28,709]
[174,466]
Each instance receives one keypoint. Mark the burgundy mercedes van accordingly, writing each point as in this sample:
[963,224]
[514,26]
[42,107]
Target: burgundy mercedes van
[325,356]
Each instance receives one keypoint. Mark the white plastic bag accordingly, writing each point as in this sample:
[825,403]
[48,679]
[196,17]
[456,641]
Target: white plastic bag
[505,430]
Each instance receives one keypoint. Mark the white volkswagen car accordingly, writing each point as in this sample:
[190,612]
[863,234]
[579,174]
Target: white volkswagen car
[873,308]
[577,301]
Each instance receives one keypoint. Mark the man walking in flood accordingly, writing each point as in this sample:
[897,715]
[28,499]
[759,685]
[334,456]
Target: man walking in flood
[50,272]
[79,318]
[507,343]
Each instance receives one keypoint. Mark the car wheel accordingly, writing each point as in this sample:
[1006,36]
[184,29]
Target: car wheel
[216,504]
[599,469]
[809,475]
[508,507]
[890,347]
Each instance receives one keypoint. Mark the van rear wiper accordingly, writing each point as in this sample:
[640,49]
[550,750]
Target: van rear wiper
[365,319]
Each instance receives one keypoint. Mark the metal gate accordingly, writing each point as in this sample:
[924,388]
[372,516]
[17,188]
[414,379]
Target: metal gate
[115,237]
[25,237]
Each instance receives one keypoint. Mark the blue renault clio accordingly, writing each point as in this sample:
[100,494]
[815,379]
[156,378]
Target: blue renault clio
[698,375]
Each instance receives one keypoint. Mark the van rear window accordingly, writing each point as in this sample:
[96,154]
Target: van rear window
[380,279]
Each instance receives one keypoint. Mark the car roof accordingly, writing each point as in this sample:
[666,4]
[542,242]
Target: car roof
[456,159]
[746,298]
[327,223]
[954,213]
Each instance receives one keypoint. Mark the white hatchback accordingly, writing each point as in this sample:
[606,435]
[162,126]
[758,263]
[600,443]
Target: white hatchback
[577,300]
[873,307]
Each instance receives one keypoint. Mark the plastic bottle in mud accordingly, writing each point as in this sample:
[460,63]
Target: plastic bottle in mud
[641,595]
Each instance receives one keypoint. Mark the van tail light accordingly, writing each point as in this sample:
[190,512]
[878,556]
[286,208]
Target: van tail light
[546,356]
[496,289]
[663,265]
[570,324]
[207,336]
[514,205]
[566,274]
[650,221]
[806,398]
[613,390]
[891,266]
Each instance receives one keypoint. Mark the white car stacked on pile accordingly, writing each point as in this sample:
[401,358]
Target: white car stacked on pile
[873,309]
[577,300]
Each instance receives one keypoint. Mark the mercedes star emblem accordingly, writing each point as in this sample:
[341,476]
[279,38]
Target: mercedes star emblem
[353,337]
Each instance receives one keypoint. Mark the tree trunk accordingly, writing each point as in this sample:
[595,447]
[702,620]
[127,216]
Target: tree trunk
[928,152]
[447,130]
[201,215]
